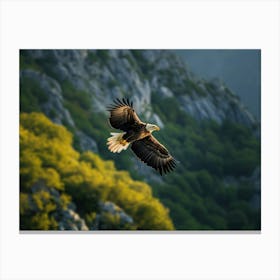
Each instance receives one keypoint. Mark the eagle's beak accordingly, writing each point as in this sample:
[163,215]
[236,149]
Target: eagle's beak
[157,128]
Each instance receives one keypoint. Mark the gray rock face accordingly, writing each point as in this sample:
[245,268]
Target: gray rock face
[86,142]
[118,73]
[67,218]
[55,100]
[218,108]
[115,210]
[166,92]
[203,100]
[70,220]
[111,217]
[123,73]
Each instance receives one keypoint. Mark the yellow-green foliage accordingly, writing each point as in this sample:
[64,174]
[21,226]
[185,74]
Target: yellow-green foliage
[47,157]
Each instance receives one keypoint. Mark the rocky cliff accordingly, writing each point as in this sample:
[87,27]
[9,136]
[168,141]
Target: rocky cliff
[105,75]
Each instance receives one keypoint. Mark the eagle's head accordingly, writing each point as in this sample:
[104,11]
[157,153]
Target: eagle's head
[151,127]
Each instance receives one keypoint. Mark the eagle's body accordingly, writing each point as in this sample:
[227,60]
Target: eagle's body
[139,135]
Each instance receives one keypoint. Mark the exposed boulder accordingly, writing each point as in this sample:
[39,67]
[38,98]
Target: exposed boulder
[65,215]
[86,143]
[111,217]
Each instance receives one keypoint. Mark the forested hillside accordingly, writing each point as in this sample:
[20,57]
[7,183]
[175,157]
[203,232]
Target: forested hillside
[63,189]
[203,124]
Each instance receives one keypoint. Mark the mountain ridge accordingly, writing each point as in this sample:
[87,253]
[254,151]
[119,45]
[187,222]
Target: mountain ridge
[120,74]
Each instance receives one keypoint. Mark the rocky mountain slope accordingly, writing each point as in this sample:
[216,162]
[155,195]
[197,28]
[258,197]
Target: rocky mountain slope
[105,75]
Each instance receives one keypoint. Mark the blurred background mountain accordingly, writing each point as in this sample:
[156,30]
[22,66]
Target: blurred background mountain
[239,69]
[69,180]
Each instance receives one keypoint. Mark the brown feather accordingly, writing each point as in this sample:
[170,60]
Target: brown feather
[154,154]
[122,115]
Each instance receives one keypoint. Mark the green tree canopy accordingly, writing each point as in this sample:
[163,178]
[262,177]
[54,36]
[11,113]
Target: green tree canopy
[47,157]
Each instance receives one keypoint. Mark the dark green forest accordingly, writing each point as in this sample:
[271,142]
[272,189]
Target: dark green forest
[211,188]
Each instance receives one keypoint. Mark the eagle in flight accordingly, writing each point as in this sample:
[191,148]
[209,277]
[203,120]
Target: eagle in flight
[139,135]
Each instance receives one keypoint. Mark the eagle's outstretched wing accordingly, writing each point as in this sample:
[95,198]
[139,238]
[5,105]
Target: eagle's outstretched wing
[123,115]
[154,154]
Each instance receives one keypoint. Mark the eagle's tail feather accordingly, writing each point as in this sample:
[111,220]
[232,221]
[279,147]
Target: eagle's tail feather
[116,143]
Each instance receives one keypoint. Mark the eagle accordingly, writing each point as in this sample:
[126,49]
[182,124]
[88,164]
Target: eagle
[139,134]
